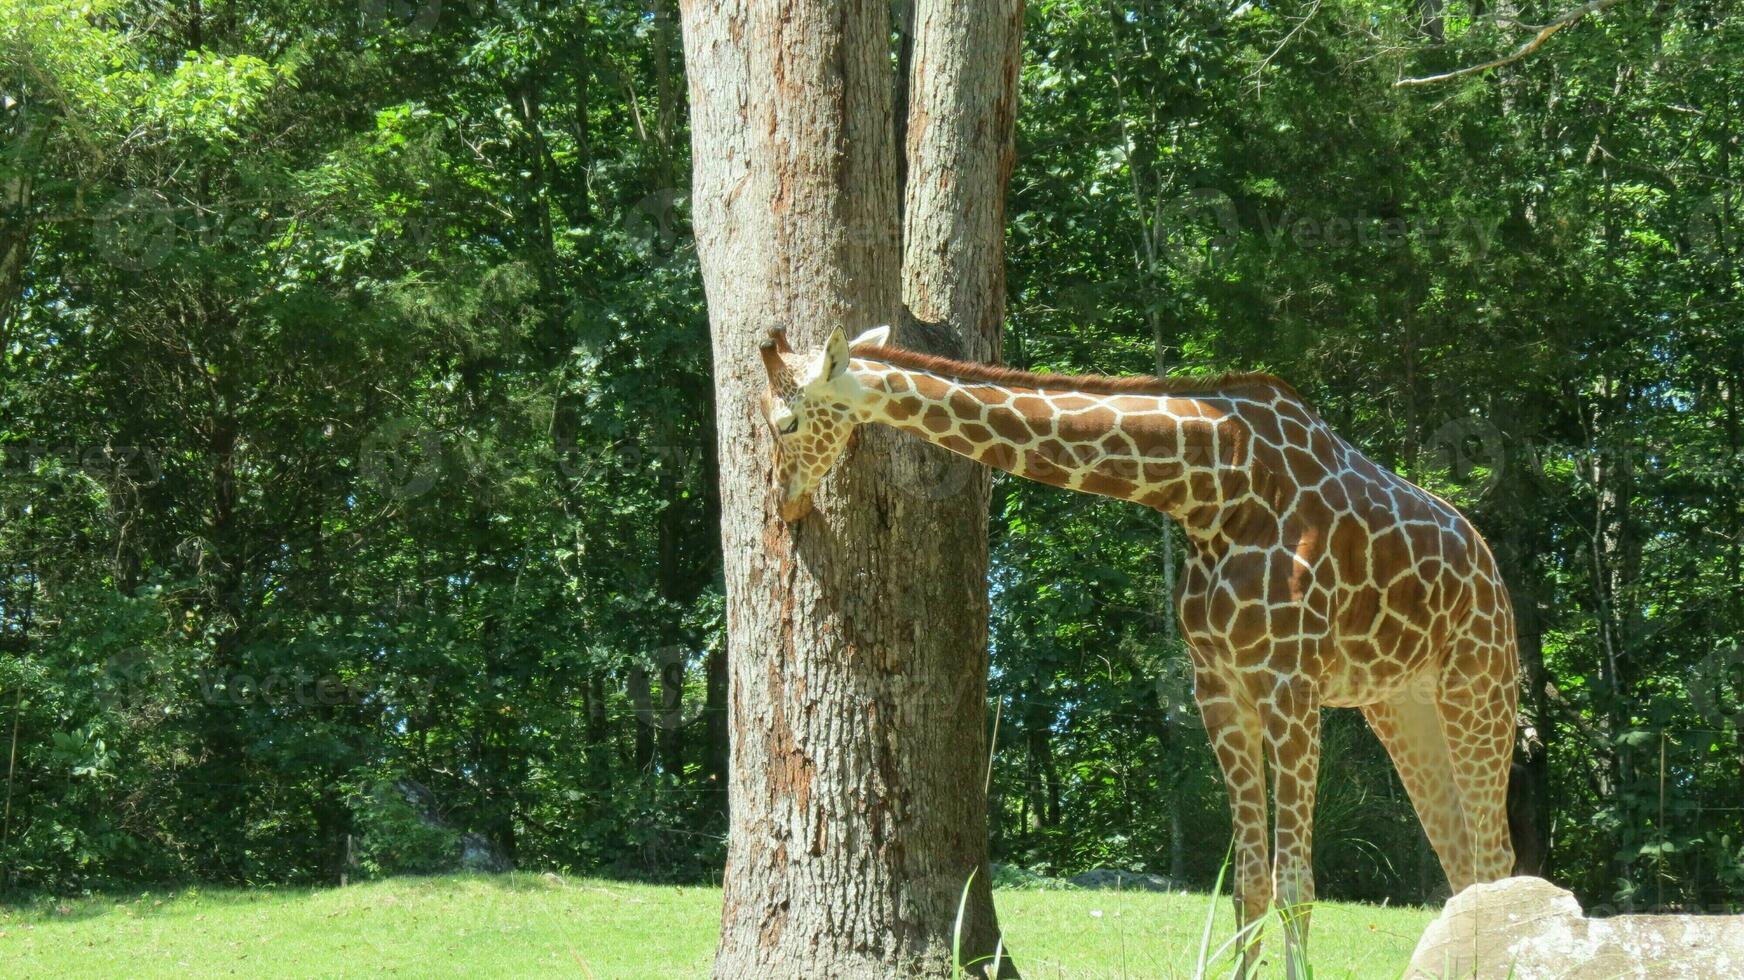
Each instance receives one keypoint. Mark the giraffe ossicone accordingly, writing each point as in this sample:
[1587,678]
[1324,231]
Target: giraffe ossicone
[1315,576]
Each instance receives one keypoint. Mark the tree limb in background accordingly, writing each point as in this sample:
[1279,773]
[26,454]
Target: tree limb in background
[1301,22]
[1543,35]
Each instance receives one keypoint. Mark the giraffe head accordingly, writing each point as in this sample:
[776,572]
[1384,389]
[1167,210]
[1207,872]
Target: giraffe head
[810,407]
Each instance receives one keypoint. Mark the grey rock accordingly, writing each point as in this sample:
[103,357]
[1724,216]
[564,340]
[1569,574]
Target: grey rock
[480,853]
[475,852]
[1529,929]
[1117,879]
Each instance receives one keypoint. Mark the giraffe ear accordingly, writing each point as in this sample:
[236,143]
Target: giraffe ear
[835,355]
[875,337]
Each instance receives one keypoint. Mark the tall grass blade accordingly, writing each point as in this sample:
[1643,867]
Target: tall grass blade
[1211,911]
[957,929]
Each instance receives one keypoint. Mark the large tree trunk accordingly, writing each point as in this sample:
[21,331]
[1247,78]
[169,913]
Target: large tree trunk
[857,637]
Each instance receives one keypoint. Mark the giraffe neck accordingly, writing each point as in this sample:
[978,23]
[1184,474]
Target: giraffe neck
[1181,454]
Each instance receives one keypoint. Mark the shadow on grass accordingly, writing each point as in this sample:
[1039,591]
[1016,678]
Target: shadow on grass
[180,900]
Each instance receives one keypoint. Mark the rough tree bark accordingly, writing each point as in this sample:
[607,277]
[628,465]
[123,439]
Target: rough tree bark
[961,115]
[857,637]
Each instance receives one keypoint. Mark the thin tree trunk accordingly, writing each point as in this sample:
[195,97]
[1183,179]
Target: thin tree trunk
[1177,836]
[1529,784]
[1518,549]
[675,591]
[1044,777]
[716,760]
[960,132]
[582,168]
[642,700]
[18,228]
[598,732]
[856,636]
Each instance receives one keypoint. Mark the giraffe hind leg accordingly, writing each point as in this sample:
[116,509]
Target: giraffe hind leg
[1477,704]
[1409,726]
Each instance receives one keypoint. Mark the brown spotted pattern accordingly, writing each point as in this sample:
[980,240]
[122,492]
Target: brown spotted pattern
[1316,578]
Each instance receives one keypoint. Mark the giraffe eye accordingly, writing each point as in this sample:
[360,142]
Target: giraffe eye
[790,426]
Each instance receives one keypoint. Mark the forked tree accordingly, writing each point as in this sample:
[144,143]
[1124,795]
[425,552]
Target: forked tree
[1315,577]
[858,638]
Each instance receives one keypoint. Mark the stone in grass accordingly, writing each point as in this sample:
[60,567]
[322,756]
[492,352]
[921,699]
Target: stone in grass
[1118,880]
[1529,929]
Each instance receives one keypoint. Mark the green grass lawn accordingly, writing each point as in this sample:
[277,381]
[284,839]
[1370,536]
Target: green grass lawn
[542,925]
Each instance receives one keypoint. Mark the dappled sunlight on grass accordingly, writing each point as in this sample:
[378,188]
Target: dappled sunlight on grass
[465,925]
[1153,936]
[545,925]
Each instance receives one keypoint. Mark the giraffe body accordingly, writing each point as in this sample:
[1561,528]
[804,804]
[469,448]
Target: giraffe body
[1315,577]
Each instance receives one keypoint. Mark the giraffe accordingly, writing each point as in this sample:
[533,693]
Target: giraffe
[1315,577]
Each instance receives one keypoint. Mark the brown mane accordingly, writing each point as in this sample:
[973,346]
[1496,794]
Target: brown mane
[1096,384]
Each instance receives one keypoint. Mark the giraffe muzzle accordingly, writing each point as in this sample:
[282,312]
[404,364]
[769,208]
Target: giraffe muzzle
[795,508]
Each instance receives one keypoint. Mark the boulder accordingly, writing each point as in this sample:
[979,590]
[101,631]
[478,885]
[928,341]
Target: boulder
[471,852]
[481,854]
[1529,929]
[1131,881]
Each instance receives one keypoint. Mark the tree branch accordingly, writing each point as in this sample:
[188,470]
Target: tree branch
[1543,35]
[1301,22]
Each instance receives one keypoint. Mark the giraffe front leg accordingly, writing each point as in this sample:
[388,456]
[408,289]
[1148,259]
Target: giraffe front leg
[1233,723]
[1292,725]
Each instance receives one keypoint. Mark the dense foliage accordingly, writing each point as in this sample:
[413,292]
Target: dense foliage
[355,433]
